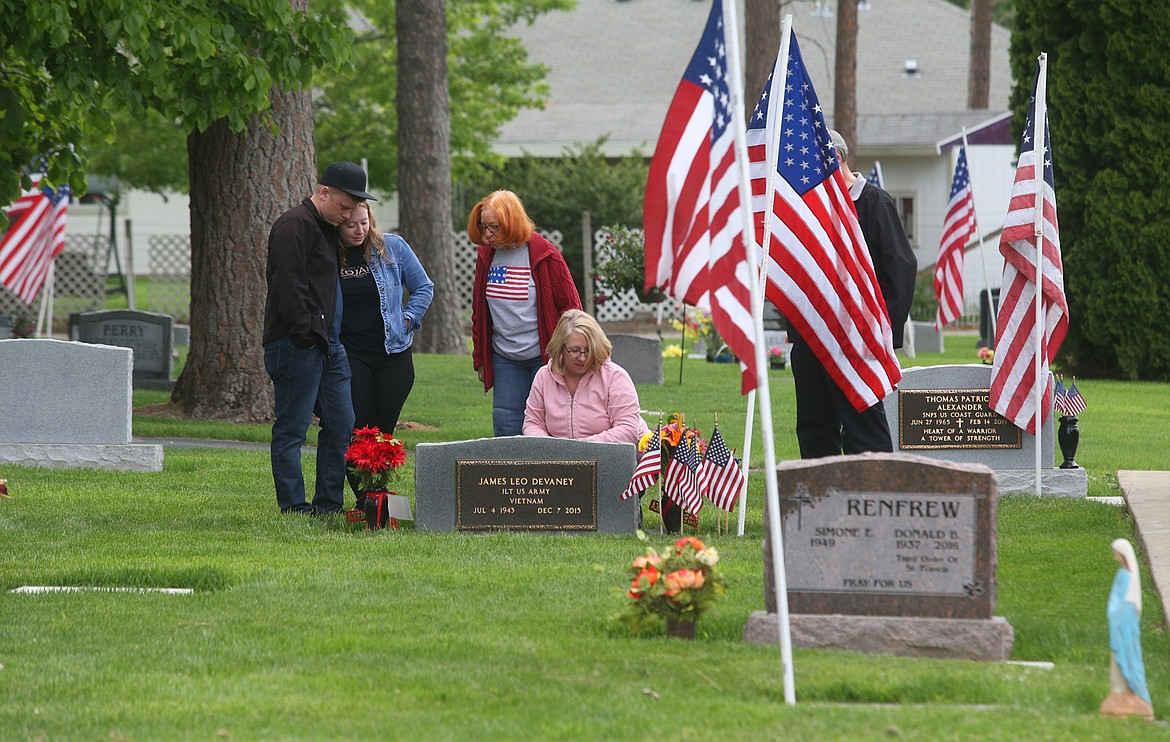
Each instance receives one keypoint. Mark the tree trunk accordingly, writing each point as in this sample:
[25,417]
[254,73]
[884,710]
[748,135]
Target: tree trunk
[424,165]
[762,22]
[845,90]
[979,83]
[240,184]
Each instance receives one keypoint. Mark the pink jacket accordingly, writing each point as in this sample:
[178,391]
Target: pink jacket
[605,407]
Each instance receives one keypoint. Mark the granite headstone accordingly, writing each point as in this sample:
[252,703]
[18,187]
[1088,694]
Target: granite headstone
[524,483]
[884,553]
[640,357]
[943,412]
[148,334]
[69,404]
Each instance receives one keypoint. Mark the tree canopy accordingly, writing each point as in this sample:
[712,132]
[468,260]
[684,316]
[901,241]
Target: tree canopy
[64,64]
[1109,119]
[355,115]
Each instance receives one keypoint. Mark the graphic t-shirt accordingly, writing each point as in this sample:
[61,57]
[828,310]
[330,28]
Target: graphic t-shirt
[362,328]
[511,298]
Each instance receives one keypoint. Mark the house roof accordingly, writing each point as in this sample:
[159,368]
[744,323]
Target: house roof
[615,64]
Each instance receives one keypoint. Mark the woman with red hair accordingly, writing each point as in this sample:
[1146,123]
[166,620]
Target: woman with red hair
[522,285]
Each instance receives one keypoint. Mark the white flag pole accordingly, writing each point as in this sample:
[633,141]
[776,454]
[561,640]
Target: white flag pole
[982,242]
[762,250]
[44,326]
[773,498]
[1040,119]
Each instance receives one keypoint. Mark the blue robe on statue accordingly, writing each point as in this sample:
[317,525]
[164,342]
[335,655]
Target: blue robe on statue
[1125,639]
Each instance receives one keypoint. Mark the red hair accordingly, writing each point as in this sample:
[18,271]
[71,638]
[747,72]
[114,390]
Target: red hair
[516,227]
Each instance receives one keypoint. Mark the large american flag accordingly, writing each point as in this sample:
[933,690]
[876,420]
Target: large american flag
[35,236]
[1013,373]
[719,477]
[958,229]
[646,472]
[693,219]
[820,273]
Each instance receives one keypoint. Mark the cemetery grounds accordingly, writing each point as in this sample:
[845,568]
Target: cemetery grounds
[309,629]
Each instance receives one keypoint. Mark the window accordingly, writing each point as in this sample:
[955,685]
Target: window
[905,205]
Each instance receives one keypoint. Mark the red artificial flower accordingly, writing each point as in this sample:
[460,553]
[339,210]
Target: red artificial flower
[372,453]
[651,575]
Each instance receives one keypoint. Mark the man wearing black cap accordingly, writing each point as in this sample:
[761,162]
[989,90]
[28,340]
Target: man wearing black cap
[302,351]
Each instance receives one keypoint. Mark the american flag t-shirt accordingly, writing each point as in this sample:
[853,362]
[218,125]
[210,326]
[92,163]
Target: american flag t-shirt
[509,282]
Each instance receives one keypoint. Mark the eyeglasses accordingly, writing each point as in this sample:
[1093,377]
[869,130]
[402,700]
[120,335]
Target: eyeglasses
[578,352]
[493,228]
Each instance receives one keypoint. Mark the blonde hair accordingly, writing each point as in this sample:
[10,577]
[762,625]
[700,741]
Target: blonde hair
[374,239]
[574,320]
[516,227]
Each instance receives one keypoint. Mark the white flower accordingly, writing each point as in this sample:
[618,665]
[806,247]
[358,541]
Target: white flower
[707,557]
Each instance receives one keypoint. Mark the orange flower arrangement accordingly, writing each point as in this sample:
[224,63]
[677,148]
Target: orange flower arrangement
[679,585]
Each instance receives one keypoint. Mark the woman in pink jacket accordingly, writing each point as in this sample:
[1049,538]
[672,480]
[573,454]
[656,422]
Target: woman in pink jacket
[581,393]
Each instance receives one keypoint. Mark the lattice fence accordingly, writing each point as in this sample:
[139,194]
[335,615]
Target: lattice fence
[79,282]
[167,289]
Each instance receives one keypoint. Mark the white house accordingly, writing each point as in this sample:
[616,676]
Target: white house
[614,66]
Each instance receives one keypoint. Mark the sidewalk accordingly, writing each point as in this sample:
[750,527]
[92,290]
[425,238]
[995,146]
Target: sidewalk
[1147,496]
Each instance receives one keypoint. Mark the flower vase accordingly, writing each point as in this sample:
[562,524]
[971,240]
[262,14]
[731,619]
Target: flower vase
[1069,436]
[681,629]
[377,511]
[653,296]
[777,364]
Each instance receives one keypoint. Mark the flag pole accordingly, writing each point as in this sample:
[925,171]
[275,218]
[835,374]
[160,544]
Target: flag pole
[1039,124]
[764,396]
[46,304]
[982,242]
[762,261]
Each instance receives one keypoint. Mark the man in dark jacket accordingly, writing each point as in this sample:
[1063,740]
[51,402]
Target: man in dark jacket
[826,423]
[302,350]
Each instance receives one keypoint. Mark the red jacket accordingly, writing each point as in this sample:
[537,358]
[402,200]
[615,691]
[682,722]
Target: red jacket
[555,292]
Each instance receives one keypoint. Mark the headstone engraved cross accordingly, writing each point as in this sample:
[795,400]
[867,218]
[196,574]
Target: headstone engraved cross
[888,553]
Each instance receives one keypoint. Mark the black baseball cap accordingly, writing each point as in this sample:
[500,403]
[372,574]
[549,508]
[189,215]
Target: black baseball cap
[349,177]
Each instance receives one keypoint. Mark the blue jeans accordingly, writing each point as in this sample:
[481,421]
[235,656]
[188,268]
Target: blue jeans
[307,381]
[511,382]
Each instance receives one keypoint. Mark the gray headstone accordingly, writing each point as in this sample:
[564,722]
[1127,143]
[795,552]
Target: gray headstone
[942,412]
[927,338]
[69,404]
[519,482]
[148,334]
[182,335]
[640,357]
[56,391]
[903,538]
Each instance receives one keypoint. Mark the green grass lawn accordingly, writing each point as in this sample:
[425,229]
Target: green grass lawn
[311,629]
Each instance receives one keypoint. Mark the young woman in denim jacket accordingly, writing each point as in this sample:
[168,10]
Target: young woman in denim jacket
[376,329]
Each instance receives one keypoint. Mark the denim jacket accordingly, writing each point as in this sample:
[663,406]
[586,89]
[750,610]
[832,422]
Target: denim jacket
[402,271]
